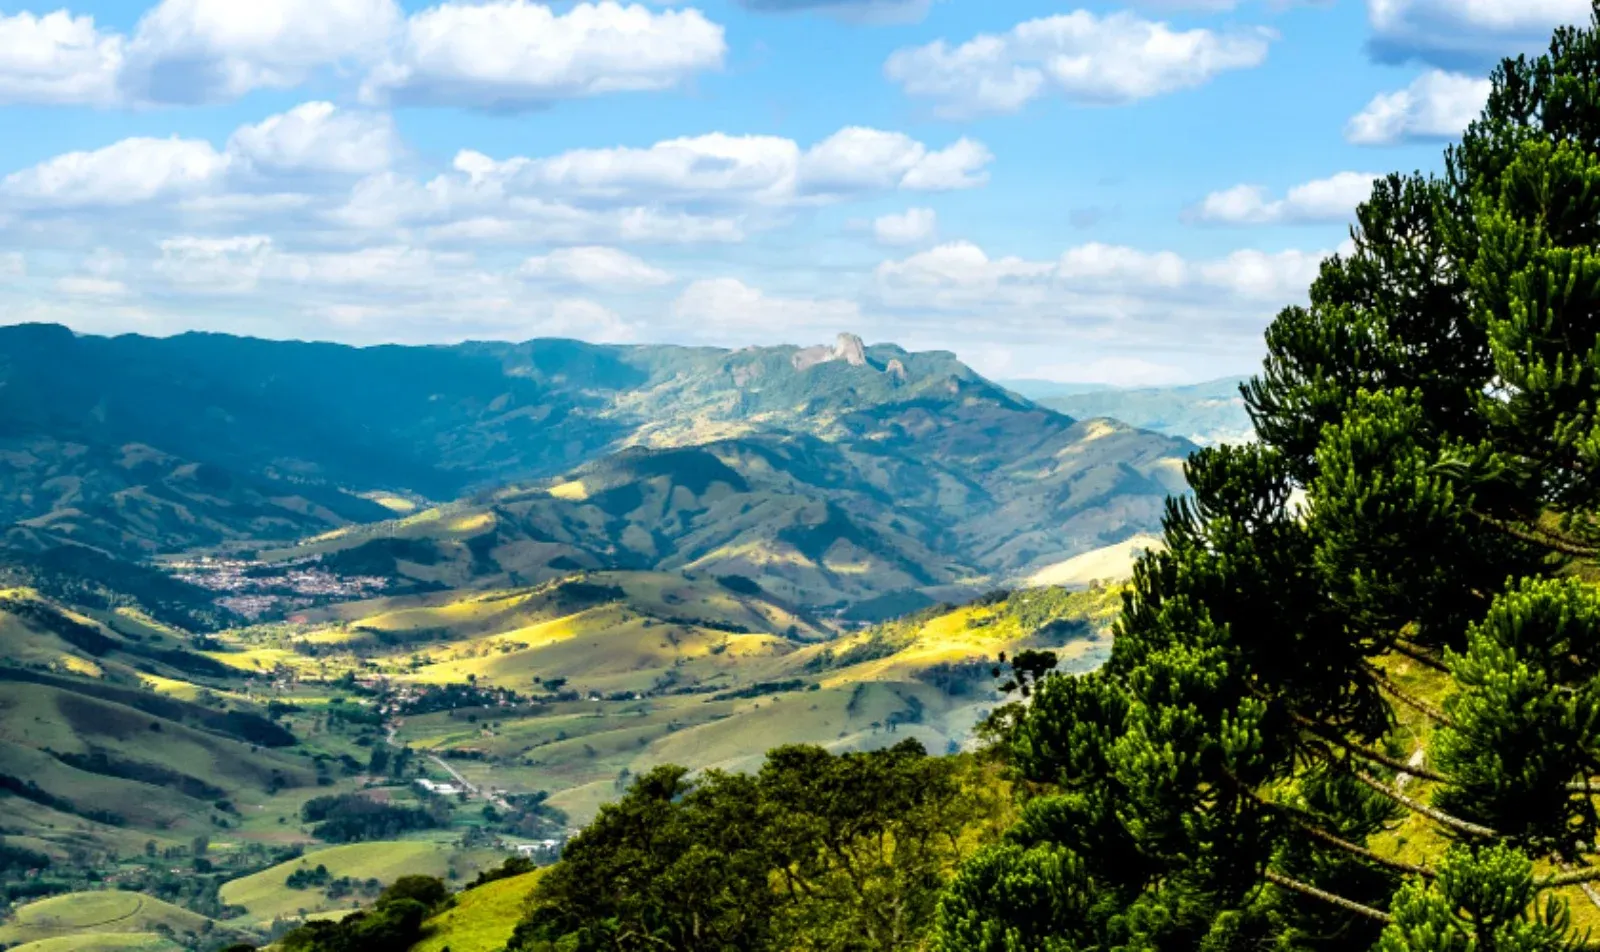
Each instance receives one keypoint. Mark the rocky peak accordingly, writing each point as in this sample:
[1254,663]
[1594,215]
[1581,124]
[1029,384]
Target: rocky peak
[849,348]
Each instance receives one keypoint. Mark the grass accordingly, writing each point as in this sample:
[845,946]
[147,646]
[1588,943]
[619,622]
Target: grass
[265,895]
[104,942]
[482,919]
[112,912]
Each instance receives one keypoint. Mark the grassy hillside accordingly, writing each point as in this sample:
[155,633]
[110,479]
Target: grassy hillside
[115,914]
[909,501]
[266,895]
[641,696]
[482,919]
[103,942]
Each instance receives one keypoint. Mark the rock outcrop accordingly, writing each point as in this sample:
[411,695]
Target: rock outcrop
[849,348]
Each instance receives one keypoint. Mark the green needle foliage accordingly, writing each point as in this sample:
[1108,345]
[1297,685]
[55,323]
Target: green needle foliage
[1423,493]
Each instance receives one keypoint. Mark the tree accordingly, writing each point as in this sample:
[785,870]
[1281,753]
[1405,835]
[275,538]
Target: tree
[1329,648]
[815,852]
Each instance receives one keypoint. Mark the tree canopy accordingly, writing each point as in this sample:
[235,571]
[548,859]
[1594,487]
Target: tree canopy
[1355,702]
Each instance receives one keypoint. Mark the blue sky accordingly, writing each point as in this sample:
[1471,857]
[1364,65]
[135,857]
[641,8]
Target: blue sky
[1111,192]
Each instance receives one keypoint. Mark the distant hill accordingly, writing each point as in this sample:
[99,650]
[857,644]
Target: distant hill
[979,494]
[1203,413]
[834,474]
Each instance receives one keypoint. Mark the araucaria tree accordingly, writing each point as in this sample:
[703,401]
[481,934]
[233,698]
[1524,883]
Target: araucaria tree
[1355,703]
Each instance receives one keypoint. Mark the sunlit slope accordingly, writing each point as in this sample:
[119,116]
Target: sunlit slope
[102,742]
[906,498]
[482,919]
[644,700]
[266,895]
[1111,563]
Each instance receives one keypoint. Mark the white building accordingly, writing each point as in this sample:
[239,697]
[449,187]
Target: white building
[442,789]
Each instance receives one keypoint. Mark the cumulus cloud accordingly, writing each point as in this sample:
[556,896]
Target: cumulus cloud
[513,54]
[729,305]
[1087,59]
[596,267]
[318,137]
[723,170]
[1437,105]
[58,59]
[1467,34]
[496,55]
[124,173]
[1324,200]
[961,275]
[186,51]
[910,227]
[89,286]
[860,159]
[291,148]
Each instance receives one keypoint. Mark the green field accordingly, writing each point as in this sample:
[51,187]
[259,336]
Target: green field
[482,919]
[76,915]
[266,895]
[106,942]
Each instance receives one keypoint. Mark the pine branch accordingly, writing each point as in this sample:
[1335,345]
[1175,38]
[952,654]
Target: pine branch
[1419,656]
[1323,733]
[1415,703]
[1573,877]
[1436,815]
[1317,832]
[1538,537]
[1293,885]
[1303,820]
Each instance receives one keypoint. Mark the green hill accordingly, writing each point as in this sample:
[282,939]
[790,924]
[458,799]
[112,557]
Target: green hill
[114,919]
[983,494]
[138,445]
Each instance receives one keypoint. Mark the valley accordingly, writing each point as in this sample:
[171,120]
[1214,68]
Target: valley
[247,683]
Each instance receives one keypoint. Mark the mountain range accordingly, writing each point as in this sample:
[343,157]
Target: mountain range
[261,597]
[836,475]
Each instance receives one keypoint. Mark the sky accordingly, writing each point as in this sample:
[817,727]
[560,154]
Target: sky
[1119,192]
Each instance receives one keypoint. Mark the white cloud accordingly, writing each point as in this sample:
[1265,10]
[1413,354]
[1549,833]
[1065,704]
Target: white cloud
[57,59]
[90,287]
[13,264]
[124,173]
[729,305]
[1331,199]
[207,50]
[911,227]
[860,159]
[1085,58]
[1467,34]
[1101,264]
[513,54]
[1437,105]
[960,275]
[241,264]
[221,265]
[596,267]
[1283,276]
[721,170]
[318,137]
